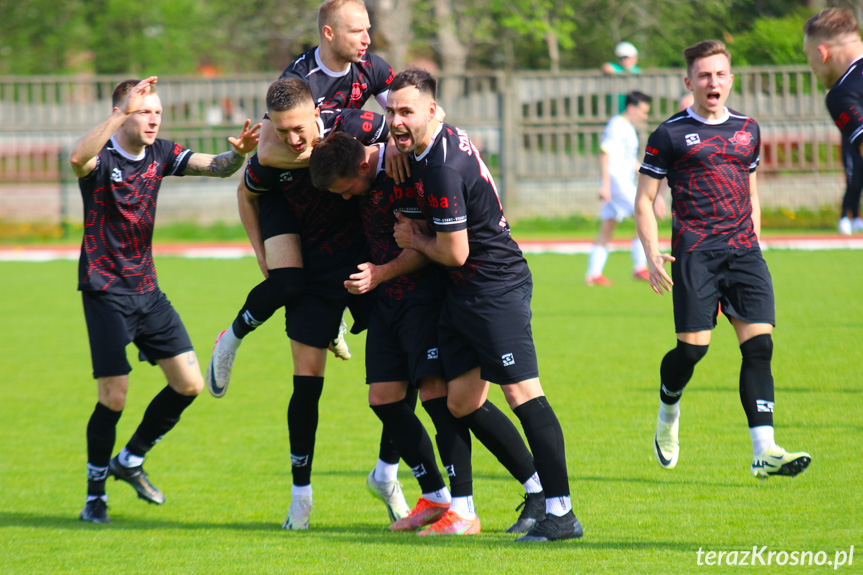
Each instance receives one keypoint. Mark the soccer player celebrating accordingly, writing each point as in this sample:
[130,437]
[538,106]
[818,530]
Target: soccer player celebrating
[120,164]
[834,50]
[484,329]
[341,74]
[279,207]
[402,350]
[709,155]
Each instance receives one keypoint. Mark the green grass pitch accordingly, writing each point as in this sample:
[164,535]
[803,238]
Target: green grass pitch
[225,468]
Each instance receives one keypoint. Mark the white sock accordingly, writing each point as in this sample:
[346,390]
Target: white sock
[533,485]
[386,471]
[669,413]
[230,340]
[596,261]
[129,460]
[441,496]
[559,506]
[762,438]
[639,260]
[463,506]
[301,490]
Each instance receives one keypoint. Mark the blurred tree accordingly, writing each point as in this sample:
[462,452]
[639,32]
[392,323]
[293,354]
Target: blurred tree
[42,36]
[182,36]
[772,41]
[392,32]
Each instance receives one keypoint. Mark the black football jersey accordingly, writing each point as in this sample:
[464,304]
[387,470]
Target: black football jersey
[329,226]
[845,103]
[707,163]
[378,210]
[455,191]
[351,88]
[119,211]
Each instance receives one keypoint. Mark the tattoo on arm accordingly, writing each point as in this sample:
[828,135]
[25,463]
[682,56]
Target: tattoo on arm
[222,165]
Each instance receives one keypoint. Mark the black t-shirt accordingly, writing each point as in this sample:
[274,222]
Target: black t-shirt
[707,163]
[845,103]
[378,216]
[330,227]
[119,211]
[349,88]
[455,191]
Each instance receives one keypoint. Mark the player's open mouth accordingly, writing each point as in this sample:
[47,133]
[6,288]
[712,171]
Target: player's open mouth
[299,147]
[713,97]
[402,139]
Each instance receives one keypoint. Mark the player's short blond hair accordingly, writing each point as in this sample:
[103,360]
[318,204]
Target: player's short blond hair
[704,49]
[831,23]
[329,8]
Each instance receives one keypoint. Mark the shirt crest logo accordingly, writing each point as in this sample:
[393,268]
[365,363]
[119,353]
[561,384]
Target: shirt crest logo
[692,139]
[357,90]
[286,177]
[419,190]
[116,175]
[151,171]
[742,138]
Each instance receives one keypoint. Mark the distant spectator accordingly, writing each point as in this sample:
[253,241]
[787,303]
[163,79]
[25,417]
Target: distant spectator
[627,60]
[618,161]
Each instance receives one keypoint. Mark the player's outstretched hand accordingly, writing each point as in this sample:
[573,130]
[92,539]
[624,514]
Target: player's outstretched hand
[396,164]
[404,230]
[659,280]
[248,140]
[363,281]
[135,99]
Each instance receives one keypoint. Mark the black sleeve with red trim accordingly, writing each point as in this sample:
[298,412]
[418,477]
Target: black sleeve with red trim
[846,109]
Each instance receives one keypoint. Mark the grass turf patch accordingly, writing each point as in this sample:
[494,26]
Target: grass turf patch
[225,469]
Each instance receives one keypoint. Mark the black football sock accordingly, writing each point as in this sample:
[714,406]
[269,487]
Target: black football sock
[303,424]
[453,443]
[495,430]
[101,436]
[413,443]
[543,432]
[756,380]
[282,287]
[677,368]
[161,416]
[388,452]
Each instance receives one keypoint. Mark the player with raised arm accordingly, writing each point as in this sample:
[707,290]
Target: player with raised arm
[280,206]
[709,154]
[341,74]
[484,329]
[401,348]
[120,164]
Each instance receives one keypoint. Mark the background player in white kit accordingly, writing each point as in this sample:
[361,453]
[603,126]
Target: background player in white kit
[618,160]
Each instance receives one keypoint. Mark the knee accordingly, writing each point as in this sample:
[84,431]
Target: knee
[462,407]
[289,282]
[432,388]
[758,347]
[386,393]
[688,353]
[190,385]
[112,392]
